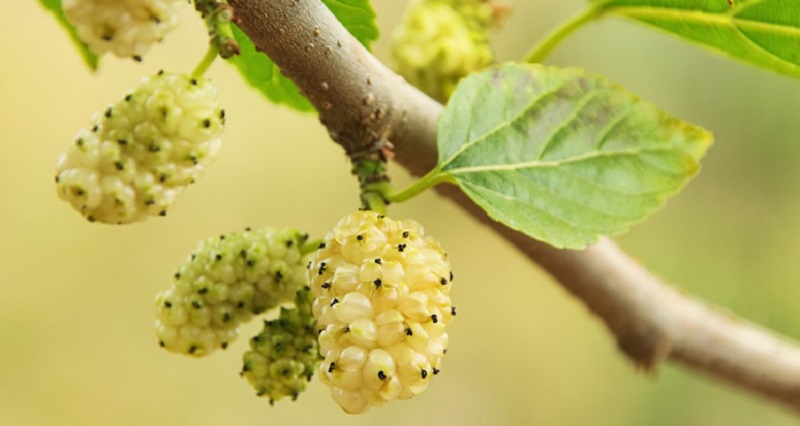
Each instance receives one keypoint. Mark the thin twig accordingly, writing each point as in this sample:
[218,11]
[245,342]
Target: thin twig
[363,101]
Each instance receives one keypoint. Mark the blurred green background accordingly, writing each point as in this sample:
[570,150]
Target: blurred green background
[76,311]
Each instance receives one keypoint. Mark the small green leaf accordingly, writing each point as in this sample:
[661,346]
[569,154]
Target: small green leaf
[358,17]
[765,33]
[260,72]
[54,6]
[561,155]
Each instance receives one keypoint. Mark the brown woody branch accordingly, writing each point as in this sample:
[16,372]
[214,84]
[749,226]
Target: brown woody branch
[361,101]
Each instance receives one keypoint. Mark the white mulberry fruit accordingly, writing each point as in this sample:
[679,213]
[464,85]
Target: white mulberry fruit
[382,301]
[440,41]
[285,355]
[142,152]
[223,283]
[125,27]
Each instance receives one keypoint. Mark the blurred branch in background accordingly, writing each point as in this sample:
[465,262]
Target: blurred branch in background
[362,101]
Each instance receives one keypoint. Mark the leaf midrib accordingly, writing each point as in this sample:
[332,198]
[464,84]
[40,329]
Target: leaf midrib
[700,16]
[556,163]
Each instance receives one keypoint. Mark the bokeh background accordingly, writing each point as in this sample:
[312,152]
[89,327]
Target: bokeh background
[76,311]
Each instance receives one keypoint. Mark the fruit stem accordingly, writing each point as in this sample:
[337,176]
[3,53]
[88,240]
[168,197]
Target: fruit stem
[205,63]
[369,165]
[374,201]
[556,36]
[310,246]
[219,15]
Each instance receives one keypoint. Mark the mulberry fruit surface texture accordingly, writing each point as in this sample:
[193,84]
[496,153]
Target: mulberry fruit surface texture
[223,283]
[142,152]
[381,302]
[125,27]
[441,41]
[284,356]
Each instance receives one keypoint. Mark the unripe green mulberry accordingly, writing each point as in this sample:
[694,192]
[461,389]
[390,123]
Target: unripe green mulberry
[142,152]
[125,27]
[440,41]
[285,355]
[382,301]
[223,283]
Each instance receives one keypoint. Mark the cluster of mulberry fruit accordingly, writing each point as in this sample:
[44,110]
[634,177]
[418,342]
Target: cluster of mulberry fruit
[382,302]
[140,153]
[223,283]
[126,28]
[369,310]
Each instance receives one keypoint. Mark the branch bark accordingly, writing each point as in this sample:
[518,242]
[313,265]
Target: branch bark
[361,101]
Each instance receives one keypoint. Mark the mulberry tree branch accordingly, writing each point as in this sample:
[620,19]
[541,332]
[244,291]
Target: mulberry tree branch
[362,102]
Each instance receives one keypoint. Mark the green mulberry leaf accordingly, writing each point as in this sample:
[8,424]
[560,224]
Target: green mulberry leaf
[562,155]
[765,33]
[262,74]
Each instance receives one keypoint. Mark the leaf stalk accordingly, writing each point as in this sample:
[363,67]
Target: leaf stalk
[546,45]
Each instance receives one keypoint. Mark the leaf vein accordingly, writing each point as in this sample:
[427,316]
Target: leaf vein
[574,114]
[523,111]
[556,163]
